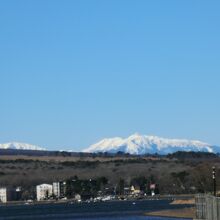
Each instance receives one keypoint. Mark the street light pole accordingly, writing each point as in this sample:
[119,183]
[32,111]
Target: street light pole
[214,180]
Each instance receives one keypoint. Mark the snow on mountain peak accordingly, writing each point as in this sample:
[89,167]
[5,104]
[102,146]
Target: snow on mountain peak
[20,146]
[143,144]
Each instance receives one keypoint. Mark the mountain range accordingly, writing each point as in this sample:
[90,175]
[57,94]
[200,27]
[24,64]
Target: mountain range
[20,146]
[142,144]
[135,144]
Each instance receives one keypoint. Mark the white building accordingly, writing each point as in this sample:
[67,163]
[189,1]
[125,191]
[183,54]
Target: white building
[135,190]
[56,189]
[59,189]
[3,194]
[44,191]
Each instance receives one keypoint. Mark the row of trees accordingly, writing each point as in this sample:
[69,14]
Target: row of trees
[86,188]
[92,187]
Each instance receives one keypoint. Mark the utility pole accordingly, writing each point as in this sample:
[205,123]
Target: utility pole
[214,181]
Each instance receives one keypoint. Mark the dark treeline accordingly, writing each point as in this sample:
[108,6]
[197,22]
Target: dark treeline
[192,155]
[178,155]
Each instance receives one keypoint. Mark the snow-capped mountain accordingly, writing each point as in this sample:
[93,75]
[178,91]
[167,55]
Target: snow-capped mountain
[143,144]
[20,146]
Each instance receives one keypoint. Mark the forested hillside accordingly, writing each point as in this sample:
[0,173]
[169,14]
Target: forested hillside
[173,174]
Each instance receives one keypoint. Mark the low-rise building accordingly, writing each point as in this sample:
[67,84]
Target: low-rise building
[135,190]
[44,191]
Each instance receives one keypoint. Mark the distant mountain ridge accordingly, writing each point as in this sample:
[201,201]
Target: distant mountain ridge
[135,144]
[142,144]
[20,146]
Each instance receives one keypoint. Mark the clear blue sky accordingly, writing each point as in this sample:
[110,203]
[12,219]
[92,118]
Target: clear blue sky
[74,72]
